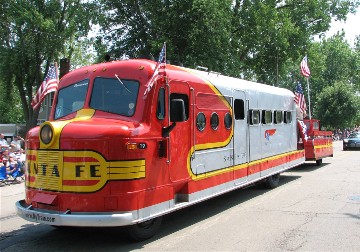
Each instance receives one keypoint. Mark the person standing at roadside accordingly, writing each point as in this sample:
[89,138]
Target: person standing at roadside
[16,144]
[3,142]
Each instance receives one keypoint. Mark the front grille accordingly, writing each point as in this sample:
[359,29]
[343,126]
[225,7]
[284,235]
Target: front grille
[49,165]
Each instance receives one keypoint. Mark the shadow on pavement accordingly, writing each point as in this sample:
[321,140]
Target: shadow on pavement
[40,237]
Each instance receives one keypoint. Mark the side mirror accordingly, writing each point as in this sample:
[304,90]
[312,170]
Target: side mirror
[177,110]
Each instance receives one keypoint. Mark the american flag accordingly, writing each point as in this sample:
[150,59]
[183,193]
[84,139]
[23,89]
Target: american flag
[158,71]
[304,67]
[49,85]
[303,130]
[300,98]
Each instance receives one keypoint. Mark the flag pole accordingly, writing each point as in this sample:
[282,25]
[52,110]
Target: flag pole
[308,87]
[305,71]
[48,96]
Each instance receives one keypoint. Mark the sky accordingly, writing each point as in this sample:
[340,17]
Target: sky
[351,27]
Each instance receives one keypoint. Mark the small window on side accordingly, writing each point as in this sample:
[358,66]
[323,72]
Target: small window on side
[266,117]
[228,121]
[185,98]
[278,117]
[287,117]
[160,108]
[254,117]
[316,125]
[214,121]
[201,121]
[239,109]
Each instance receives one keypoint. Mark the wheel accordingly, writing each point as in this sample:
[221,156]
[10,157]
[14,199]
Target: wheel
[272,181]
[144,230]
[319,162]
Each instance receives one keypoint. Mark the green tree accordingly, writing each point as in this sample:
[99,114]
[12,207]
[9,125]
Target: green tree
[33,34]
[267,34]
[197,32]
[11,111]
[241,38]
[356,66]
[330,61]
[337,106]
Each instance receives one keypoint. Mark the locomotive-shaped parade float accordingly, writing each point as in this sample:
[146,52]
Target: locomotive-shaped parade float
[125,146]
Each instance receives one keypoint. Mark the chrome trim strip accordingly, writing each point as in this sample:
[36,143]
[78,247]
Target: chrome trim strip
[74,219]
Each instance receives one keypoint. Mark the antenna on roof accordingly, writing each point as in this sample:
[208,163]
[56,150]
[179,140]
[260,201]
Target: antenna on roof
[201,68]
[216,73]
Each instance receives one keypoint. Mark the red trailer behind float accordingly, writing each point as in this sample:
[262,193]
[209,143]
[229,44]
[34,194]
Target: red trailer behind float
[317,143]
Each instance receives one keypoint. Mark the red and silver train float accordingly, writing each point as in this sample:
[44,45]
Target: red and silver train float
[112,156]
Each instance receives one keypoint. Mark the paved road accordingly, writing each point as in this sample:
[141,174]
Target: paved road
[316,208]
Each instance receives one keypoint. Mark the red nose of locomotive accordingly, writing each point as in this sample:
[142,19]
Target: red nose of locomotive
[81,156]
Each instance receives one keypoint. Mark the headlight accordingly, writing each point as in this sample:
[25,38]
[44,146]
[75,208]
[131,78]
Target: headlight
[46,134]
[346,140]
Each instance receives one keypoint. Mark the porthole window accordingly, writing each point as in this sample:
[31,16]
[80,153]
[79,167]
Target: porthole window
[201,121]
[214,121]
[228,121]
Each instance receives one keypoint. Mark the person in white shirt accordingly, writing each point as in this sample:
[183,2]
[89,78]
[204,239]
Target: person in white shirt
[3,142]
[11,165]
[21,156]
[16,144]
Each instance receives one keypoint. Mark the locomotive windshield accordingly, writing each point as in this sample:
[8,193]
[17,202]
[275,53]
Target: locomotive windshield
[115,95]
[71,98]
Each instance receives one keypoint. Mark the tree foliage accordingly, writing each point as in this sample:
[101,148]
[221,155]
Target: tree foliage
[33,34]
[260,40]
[251,39]
[331,61]
[197,32]
[337,106]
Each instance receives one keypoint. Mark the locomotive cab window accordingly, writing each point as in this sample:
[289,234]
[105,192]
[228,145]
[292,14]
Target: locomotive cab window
[160,108]
[117,96]
[71,99]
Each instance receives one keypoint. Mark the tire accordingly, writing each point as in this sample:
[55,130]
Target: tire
[319,162]
[144,230]
[63,228]
[272,181]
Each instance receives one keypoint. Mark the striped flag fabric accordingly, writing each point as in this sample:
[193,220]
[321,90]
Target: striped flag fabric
[158,71]
[305,71]
[49,85]
[300,98]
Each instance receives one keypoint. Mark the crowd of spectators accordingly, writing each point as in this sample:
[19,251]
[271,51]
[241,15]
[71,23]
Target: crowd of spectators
[12,156]
[339,134]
